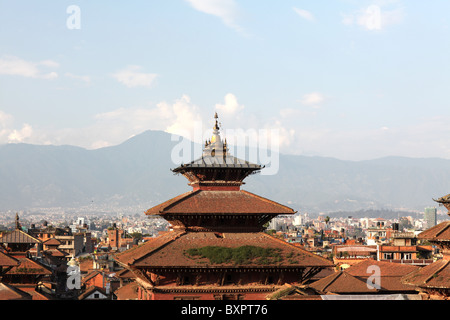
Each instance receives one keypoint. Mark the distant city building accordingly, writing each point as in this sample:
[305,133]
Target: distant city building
[430,216]
[299,220]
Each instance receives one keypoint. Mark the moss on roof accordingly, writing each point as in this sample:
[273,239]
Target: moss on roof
[240,255]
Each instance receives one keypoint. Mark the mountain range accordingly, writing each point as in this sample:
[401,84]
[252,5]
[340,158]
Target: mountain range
[137,172]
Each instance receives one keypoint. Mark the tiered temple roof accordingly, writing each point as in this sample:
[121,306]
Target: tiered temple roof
[217,214]
[216,167]
[18,240]
[218,210]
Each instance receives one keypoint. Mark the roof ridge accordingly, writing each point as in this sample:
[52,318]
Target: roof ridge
[166,204]
[267,200]
[334,277]
[179,198]
[21,232]
[171,238]
[443,229]
[436,272]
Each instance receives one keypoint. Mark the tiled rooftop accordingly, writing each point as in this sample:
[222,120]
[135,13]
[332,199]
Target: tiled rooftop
[219,202]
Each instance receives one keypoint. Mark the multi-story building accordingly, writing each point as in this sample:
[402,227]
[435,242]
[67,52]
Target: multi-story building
[430,215]
[73,244]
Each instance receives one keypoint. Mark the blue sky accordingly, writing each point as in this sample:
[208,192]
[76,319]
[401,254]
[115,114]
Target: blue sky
[347,79]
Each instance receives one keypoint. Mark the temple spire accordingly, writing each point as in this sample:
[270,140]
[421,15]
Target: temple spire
[18,226]
[216,126]
[215,147]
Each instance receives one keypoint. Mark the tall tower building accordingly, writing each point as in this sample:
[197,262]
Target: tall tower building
[430,215]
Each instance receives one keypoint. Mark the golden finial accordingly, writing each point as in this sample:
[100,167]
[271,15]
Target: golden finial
[216,125]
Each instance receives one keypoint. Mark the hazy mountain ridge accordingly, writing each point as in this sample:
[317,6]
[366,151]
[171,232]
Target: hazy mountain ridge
[138,172]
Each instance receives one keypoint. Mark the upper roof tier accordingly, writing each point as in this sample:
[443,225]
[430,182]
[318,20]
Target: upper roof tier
[219,210]
[216,167]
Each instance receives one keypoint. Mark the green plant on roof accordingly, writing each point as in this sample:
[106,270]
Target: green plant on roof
[240,255]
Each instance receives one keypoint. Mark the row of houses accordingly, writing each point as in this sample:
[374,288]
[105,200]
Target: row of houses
[35,264]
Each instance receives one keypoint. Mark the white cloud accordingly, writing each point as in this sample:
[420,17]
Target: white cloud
[226,10]
[313,99]
[304,14]
[183,115]
[8,132]
[18,136]
[14,66]
[132,77]
[231,105]
[113,127]
[295,134]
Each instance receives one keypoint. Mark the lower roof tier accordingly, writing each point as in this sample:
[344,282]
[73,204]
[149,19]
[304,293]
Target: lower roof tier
[181,249]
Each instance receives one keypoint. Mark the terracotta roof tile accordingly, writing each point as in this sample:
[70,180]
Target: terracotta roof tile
[52,241]
[126,274]
[391,273]
[127,292]
[129,256]
[8,292]
[35,295]
[435,275]
[437,233]
[7,261]
[341,283]
[91,275]
[28,266]
[86,265]
[169,250]
[386,268]
[18,236]
[219,202]
[354,279]
[56,253]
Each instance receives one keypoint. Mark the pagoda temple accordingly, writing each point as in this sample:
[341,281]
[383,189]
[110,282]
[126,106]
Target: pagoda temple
[433,281]
[217,248]
[18,271]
